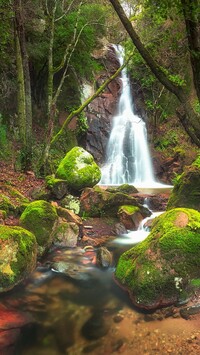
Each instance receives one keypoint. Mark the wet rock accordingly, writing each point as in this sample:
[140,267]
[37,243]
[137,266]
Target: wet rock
[64,330]
[119,229]
[187,312]
[97,202]
[103,257]
[72,270]
[130,216]
[95,327]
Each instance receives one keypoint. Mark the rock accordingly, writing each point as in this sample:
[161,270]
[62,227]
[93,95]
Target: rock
[101,110]
[79,169]
[58,187]
[18,252]
[130,216]
[70,216]
[66,234]
[103,257]
[164,268]
[40,217]
[187,312]
[11,200]
[186,192]
[95,327]
[119,229]
[97,202]
[124,188]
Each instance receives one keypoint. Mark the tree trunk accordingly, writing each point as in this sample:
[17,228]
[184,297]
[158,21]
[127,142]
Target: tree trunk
[192,119]
[191,14]
[23,74]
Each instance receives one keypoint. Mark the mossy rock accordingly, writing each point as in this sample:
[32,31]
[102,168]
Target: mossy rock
[79,169]
[12,201]
[161,270]
[58,187]
[130,216]
[186,192]
[98,201]
[18,253]
[124,188]
[40,217]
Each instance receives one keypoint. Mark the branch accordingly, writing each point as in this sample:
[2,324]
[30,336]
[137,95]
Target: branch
[88,101]
[66,12]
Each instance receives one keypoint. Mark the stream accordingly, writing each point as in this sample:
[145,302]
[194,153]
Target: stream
[81,310]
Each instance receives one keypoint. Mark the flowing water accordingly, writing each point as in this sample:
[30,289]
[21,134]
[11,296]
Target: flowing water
[128,159]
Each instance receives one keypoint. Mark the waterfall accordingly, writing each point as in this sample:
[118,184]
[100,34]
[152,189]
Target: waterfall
[127,155]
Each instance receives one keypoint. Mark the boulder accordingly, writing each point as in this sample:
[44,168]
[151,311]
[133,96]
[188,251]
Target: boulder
[58,187]
[130,216]
[98,201]
[71,217]
[40,217]
[79,169]
[165,268]
[186,192]
[18,252]
[66,234]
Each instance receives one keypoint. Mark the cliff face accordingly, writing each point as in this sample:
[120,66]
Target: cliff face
[100,112]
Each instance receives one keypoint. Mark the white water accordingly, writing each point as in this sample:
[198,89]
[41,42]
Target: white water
[128,158]
[139,235]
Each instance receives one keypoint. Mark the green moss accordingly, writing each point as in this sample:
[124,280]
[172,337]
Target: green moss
[18,250]
[129,209]
[39,217]
[161,267]
[186,192]
[79,169]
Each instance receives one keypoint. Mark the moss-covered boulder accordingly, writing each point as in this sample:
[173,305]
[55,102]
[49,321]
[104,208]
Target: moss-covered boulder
[79,169]
[40,217]
[186,192]
[164,268]
[98,201]
[18,252]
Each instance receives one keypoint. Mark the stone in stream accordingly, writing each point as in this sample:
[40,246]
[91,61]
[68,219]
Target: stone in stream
[95,327]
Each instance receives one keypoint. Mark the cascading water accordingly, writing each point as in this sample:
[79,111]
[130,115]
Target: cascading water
[128,158]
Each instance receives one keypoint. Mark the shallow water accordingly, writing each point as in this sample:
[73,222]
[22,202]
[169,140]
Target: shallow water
[84,311]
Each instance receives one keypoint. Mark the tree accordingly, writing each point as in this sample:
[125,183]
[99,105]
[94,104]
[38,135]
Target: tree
[24,85]
[187,114]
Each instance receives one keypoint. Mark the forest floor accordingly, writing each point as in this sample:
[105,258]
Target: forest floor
[163,332]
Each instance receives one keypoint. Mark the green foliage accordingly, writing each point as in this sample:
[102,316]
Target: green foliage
[169,139]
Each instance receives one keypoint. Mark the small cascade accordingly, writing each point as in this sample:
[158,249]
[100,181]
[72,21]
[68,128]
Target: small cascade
[127,157]
[135,237]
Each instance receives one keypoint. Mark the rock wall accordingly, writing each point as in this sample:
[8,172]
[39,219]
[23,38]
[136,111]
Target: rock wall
[100,112]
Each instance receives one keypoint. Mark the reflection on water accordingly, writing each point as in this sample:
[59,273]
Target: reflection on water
[70,311]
